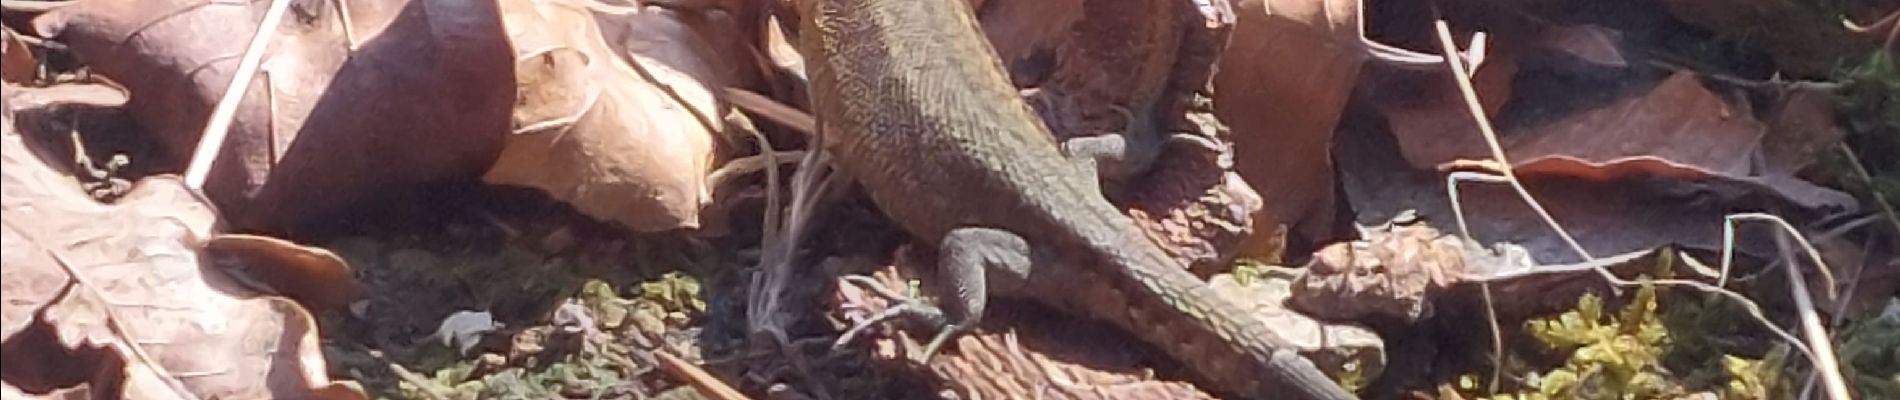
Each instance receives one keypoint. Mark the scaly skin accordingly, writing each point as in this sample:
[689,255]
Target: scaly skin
[915,105]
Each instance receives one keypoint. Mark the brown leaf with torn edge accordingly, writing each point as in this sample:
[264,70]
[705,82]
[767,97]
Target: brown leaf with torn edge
[602,129]
[128,277]
[1677,124]
[1281,85]
[1681,124]
[353,97]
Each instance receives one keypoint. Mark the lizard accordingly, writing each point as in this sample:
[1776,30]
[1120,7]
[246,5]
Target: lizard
[913,104]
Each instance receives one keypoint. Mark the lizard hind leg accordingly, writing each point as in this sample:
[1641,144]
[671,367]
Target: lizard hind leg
[969,257]
[971,262]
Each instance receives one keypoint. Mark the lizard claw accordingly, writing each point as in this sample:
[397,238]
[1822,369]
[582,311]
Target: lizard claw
[944,335]
[914,309]
[911,308]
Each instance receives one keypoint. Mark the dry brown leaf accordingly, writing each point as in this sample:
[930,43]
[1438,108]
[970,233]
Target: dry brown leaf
[1283,81]
[1626,213]
[592,131]
[1684,125]
[128,276]
[1677,124]
[17,64]
[1679,120]
[406,92]
[1428,115]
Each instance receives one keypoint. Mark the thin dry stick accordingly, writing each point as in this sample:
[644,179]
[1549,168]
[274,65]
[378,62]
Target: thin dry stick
[1728,251]
[773,110]
[749,164]
[1462,77]
[211,142]
[1860,170]
[428,387]
[1463,81]
[707,384]
[1824,361]
[811,185]
[1754,310]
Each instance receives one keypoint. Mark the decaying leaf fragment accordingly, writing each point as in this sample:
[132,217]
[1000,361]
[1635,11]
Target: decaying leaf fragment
[1019,352]
[129,278]
[590,127]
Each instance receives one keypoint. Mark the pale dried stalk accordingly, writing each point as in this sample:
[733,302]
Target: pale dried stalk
[1462,77]
[812,185]
[211,142]
[1825,363]
[707,384]
[1509,176]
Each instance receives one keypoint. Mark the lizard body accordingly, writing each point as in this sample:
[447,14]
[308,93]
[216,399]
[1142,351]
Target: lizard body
[915,105]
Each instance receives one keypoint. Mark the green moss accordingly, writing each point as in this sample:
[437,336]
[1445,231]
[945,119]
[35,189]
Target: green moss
[1612,356]
[1645,350]
[1870,354]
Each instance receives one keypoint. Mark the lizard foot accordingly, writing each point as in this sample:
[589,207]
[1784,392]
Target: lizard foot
[907,307]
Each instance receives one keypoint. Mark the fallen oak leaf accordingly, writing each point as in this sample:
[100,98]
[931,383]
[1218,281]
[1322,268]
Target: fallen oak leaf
[129,276]
[1688,126]
[1678,122]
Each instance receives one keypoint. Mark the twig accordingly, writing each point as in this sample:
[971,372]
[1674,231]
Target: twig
[428,387]
[211,142]
[1462,77]
[1509,176]
[1860,170]
[1463,80]
[1728,251]
[1819,340]
[749,164]
[705,383]
[812,185]
[773,110]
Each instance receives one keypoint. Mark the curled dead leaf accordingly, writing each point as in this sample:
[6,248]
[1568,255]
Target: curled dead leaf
[603,129]
[313,276]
